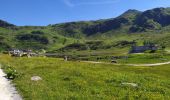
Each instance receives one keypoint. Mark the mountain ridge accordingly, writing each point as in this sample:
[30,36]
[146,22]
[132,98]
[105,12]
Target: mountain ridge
[56,36]
[139,21]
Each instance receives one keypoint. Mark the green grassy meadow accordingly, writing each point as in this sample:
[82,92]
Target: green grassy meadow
[145,58]
[123,56]
[85,81]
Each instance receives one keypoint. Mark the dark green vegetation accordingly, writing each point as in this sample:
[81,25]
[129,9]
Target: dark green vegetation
[107,34]
[6,24]
[84,81]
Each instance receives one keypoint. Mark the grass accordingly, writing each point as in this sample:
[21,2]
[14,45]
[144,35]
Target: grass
[85,81]
[145,58]
[123,56]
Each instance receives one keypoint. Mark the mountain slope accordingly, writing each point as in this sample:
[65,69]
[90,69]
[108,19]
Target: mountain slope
[5,24]
[153,19]
[89,28]
[110,31]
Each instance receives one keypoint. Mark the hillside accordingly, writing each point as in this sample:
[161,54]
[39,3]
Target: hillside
[5,24]
[151,25]
[136,21]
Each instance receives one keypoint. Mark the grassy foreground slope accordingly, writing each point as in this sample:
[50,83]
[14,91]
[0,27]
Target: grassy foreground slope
[85,81]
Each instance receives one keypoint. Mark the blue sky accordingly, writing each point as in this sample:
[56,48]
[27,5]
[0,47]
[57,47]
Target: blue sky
[44,12]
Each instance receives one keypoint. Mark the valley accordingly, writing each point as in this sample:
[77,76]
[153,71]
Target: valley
[121,58]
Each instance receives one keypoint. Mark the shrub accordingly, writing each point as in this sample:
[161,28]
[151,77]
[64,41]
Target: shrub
[123,43]
[33,37]
[94,45]
[11,73]
[37,32]
[77,46]
[4,46]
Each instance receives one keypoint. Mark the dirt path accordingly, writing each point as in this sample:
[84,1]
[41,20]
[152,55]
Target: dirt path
[7,90]
[156,64]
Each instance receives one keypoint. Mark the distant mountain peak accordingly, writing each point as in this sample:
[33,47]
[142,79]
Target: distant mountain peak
[132,11]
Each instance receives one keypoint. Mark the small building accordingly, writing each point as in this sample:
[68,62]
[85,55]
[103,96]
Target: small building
[20,53]
[16,52]
[141,49]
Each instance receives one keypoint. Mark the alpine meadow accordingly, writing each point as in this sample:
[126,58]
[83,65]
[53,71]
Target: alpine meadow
[122,58]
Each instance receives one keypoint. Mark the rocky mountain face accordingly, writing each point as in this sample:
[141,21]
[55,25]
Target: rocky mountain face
[153,19]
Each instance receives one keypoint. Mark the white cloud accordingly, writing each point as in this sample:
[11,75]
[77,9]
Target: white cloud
[68,3]
[100,2]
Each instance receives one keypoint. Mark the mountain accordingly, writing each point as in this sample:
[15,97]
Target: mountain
[100,26]
[129,26]
[152,19]
[138,21]
[5,24]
